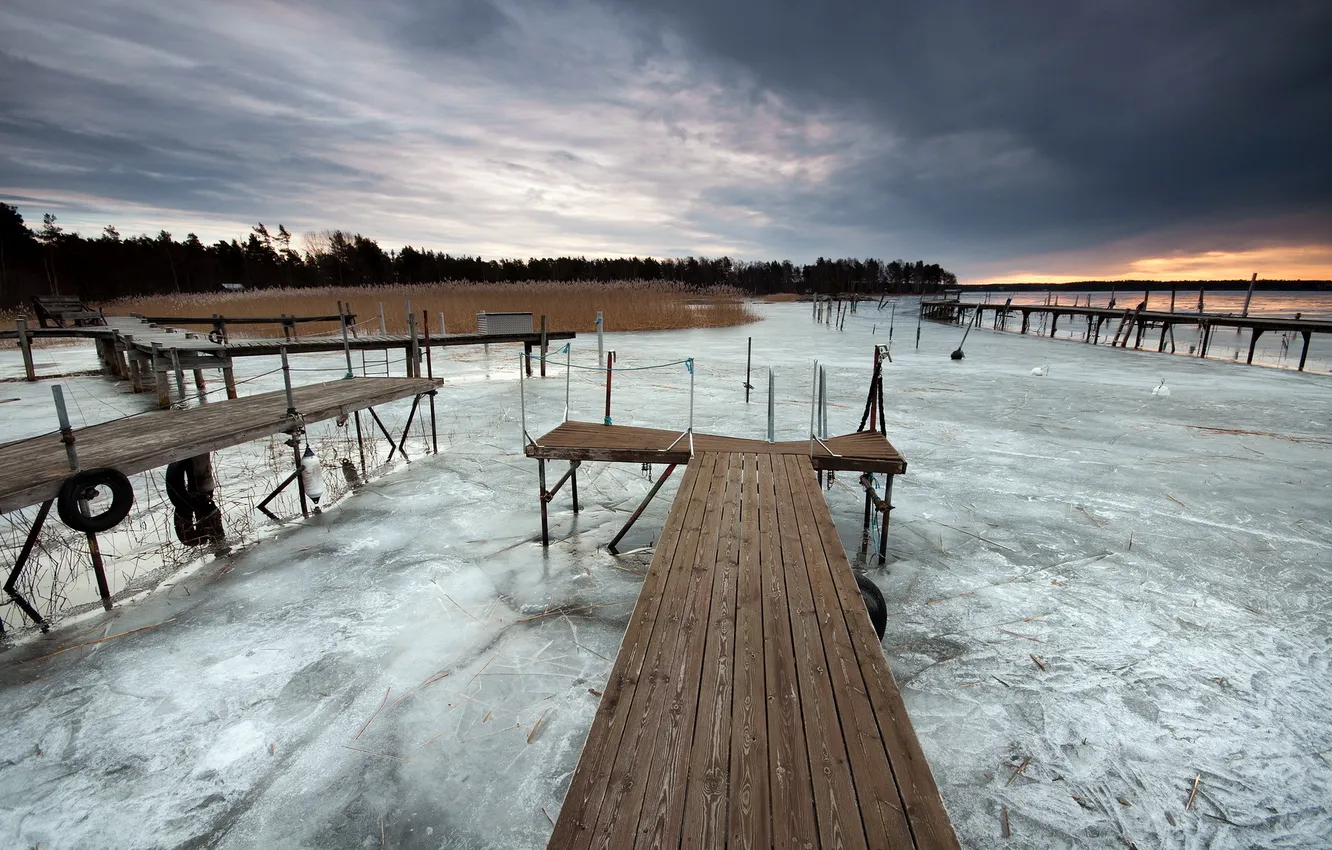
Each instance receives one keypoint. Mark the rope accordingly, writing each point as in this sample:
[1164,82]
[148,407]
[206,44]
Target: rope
[688,363]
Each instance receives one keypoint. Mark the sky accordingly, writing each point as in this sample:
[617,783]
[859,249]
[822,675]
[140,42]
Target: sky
[1041,141]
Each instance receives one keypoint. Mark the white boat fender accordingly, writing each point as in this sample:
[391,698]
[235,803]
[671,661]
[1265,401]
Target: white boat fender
[312,476]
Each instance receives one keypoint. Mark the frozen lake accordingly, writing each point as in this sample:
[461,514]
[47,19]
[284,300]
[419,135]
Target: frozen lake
[1097,594]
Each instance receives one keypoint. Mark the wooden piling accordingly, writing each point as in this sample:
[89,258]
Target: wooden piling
[544,346]
[29,372]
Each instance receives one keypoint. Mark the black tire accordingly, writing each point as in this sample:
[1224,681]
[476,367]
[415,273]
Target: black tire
[76,488]
[197,518]
[874,603]
[183,491]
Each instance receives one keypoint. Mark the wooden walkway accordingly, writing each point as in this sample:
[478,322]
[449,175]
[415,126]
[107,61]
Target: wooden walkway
[32,470]
[751,704]
[861,452]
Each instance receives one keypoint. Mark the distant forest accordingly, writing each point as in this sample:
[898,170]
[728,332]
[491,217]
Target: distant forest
[52,261]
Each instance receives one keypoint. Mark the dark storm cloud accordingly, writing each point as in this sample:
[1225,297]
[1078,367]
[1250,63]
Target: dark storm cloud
[965,131]
[1050,122]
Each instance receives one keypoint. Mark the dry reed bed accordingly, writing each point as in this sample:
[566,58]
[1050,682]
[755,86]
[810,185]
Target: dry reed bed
[627,305]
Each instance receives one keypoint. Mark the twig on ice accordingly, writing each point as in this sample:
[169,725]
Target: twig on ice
[367,723]
[1026,761]
[1193,793]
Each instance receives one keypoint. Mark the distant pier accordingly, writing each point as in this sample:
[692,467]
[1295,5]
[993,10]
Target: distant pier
[1127,324]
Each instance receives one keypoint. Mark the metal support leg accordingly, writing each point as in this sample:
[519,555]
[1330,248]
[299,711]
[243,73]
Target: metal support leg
[22,561]
[638,511]
[387,435]
[263,506]
[360,443]
[573,484]
[99,571]
[402,447]
[545,521]
[883,523]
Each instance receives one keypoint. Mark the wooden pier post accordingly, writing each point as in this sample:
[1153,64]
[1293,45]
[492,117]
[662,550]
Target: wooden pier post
[29,372]
[1308,335]
[1026,319]
[749,358]
[162,380]
[541,479]
[413,348]
[229,377]
[180,375]
[1253,342]
[1054,320]
[544,346]
[199,385]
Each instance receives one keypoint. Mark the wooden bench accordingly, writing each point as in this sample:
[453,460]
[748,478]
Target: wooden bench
[55,311]
[751,704]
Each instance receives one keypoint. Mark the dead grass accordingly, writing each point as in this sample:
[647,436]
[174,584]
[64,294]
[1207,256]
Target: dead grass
[626,305]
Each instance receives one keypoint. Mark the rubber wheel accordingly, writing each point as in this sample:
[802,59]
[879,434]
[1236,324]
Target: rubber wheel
[874,603]
[83,485]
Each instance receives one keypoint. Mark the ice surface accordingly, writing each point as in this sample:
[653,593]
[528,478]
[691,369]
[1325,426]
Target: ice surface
[411,669]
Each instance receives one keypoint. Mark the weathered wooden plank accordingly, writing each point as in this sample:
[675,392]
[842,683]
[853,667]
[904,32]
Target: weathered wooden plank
[876,789]
[835,802]
[626,781]
[793,821]
[587,788]
[749,812]
[663,762]
[925,812]
[698,786]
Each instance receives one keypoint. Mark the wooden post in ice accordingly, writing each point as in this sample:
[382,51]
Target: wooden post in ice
[543,346]
[1249,297]
[442,331]
[29,372]
[772,427]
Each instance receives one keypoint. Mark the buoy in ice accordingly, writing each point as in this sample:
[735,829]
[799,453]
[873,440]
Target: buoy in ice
[1041,371]
[312,476]
[1161,390]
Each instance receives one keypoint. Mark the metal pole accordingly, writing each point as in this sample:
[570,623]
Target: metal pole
[413,348]
[892,318]
[883,523]
[383,325]
[1249,297]
[813,398]
[430,373]
[691,394]
[568,355]
[66,432]
[545,522]
[346,344]
[286,382]
[610,366]
[920,312]
[28,371]
[300,483]
[601,348]
[749,358]
[522,397]
[360,444]
[772,435]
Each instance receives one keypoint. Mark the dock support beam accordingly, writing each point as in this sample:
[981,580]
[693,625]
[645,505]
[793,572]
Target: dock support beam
[541,497]
[11,584]
[1253,342]
[1308,335]
[638,511]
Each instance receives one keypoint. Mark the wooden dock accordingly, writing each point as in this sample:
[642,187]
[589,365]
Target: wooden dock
[862,452]
[32,470]
[751,704]
[148,352]
[1130,323]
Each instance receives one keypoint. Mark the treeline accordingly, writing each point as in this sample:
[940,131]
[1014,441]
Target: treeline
[50,260]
